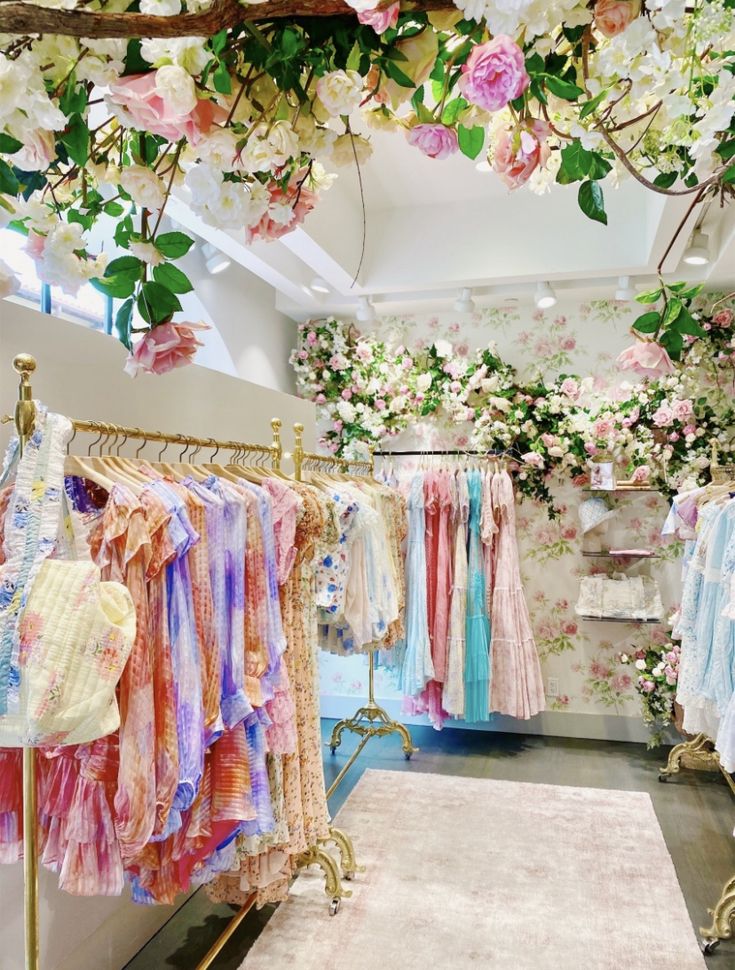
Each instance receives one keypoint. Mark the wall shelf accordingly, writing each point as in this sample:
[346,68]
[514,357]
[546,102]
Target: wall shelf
[616,619]
[621,555]
[623,491]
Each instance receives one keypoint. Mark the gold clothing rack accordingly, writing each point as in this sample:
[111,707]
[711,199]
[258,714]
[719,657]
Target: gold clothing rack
[371,720]
[24,420]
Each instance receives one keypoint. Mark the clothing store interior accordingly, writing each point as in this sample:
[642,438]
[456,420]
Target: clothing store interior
[367,501]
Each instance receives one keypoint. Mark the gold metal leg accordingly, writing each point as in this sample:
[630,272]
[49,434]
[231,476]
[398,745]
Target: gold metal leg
[346,852]
[219,944]
[318,856]
[698,755]
[723,917]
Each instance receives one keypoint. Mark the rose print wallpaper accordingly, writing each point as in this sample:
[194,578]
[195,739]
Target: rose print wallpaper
[579,657]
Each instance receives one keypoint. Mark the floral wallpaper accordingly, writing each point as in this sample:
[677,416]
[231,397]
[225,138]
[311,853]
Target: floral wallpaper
[579,657]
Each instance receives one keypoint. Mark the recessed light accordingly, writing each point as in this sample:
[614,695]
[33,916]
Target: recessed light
[545,296]
[214,259]
[464,302]
[625,292]
[365,310]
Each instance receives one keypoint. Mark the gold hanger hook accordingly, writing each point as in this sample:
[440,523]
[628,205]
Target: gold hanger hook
[124,440]
[96,426]
[183,439]
[194,453]
[107,434]
[144,443]
[74,434]
[214,454]
[165,446]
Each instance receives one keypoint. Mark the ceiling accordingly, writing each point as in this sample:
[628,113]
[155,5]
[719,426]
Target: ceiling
[433,227]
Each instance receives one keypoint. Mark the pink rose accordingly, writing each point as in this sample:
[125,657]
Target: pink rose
[674,436]
[603,427]
[380,20]
[163,348]
[690,429]
[648,686]
[518,153]
[148,110]
[663,417]
[569,533]
[641,474]
[683,410]
[311,339]
[570,388]
[549,440]
[494,74]
[590,447]
[302,355]
[646,358]
[568,343]
[320,399]
[379,404]
[533,459]
[302,201]
[436,141]
[613,16]
[723,318]
[338,424]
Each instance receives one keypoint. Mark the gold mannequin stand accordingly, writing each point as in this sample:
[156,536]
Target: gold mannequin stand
[369,721]
[699,755]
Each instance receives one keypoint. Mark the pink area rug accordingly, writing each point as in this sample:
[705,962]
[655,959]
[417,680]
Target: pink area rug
[471,873]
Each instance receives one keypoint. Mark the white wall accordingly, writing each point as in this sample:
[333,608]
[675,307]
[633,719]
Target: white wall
[258,338]
[80,374]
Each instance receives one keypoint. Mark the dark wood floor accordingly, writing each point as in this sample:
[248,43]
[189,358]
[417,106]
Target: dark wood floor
[696,813]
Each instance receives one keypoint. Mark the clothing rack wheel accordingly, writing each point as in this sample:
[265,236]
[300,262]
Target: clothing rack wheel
[318,856]
[723,918]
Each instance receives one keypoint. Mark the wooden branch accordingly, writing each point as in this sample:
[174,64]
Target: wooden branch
[29,18]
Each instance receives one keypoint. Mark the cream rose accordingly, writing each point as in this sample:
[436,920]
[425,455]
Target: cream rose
[143,186]
[340,92]
[347,146]
[176,87]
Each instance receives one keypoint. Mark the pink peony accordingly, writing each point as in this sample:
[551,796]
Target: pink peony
[494,74]
[380,20]
[723,318]
[302,201]
[163,348]
[646,358]
[518,153]
[663,417]
[138,94]
[436,141]
[613,16]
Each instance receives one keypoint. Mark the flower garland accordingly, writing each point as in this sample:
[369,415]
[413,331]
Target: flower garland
[657,668]
[659,431]
[99,128]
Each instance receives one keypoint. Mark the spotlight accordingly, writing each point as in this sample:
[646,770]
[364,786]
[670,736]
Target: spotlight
[697,253]
[318,285]
[214,259]
[464,302]
[545,296]
[365,310]
[625,292]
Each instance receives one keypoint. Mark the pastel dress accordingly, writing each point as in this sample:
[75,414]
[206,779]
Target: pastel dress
[417,669]
[517,682]
[477,676]
[453,692]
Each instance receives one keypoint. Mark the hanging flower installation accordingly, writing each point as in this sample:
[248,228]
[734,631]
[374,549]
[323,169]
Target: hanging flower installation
[107,110]
[659,430]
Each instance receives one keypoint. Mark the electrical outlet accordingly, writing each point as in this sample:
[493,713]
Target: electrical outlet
[553,687]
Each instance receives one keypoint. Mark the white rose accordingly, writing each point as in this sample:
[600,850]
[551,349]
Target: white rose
[347,146]
[204,183]
[624,658]
[423,382]
[443,348]
[147,252]
[143,186]
[640,664]
[161,8]
[176,87]
[219,149]
[187,52]
[398,403]
[346,411]
[340,92]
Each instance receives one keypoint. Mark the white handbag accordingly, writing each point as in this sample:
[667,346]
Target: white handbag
[620,597]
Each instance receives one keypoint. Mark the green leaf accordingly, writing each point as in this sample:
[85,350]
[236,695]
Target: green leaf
[171,277]
[173,245]
[685,323]
[353,60]
[534,64]
[673,343]
[8,181]
[156,302]
[123,318]
[648,322]
[219,41]
[113,208]
[121,277]
[672,311]
[222,80]
[575,164]
[471,140]
[396,74]
[652,296]
[452,111]
[73,101]
[726,150]
[9,145]
[729,175]
[589,106]
[665,179]
[592,202]
[125,265]
[75,139]
[562,89]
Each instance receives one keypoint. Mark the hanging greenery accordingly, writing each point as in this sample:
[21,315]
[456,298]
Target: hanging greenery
[247,109]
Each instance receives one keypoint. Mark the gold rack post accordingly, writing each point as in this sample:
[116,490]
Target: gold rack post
[371,720]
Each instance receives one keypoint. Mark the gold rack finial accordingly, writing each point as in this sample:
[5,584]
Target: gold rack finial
[25,411]
[276,425]
[298,449]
